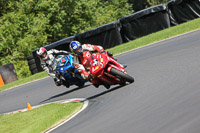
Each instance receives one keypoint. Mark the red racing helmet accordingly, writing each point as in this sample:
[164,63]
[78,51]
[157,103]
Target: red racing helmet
[42,53]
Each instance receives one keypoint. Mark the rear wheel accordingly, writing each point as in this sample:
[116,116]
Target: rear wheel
[122,75]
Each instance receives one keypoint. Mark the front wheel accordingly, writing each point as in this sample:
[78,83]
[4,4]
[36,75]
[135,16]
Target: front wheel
[122,75]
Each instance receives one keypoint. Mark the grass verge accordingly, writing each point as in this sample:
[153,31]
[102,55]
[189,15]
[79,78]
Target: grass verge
[26,80]
[157,36]
[154,37]
[38,119]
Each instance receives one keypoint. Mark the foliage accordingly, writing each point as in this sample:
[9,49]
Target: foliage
[20,33]
[28,24]
[142,4]
[164,34]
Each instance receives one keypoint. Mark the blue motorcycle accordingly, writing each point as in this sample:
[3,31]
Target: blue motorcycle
[67,72]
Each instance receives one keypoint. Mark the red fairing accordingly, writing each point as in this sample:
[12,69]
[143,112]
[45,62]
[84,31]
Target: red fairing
[115,64]
[100,65]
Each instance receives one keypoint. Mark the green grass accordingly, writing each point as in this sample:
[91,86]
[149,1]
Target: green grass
[38,119]
[157,36]
[164,34]
[22,81]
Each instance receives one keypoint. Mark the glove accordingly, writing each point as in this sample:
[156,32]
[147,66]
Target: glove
[109,53]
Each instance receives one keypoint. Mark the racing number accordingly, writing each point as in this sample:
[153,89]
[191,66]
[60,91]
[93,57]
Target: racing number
[94,62]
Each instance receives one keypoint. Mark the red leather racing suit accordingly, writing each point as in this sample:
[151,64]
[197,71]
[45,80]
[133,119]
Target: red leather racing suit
[85,59]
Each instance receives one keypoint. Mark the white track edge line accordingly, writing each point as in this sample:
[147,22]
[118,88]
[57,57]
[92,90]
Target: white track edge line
[86,102]
[158,41]
[24,84]
[36,106]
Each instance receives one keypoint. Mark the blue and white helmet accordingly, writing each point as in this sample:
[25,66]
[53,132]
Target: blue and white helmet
[75,47]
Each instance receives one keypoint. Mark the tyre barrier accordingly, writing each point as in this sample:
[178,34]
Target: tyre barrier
[32,64]
[30,57]
[7,74]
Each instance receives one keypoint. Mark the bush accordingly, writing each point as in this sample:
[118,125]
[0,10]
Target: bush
[28,24]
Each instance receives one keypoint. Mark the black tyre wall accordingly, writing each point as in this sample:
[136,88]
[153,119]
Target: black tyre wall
[181,11]
[32,64]
[107,35]
[144,22]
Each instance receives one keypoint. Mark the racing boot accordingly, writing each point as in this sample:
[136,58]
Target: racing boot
[66,84]
[107,86]
[57,82]
[95,82]
[96,85]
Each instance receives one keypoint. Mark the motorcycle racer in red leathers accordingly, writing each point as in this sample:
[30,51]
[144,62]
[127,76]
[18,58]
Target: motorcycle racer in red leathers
[83,59]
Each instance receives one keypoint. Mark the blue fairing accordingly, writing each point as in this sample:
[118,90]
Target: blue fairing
[66,67]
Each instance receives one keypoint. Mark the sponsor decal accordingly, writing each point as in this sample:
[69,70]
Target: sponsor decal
[101,65]
[84,62]
[97,67]
[88,54]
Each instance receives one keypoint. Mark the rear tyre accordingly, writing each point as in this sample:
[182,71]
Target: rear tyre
[122,75]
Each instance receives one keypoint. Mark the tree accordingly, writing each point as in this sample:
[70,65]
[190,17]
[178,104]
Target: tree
[28,24]
[138,5]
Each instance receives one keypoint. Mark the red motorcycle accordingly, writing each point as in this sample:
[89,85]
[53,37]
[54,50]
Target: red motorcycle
[107,71]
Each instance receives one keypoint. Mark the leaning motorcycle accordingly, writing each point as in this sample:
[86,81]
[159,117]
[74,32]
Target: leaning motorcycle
[66,71]
[107,71]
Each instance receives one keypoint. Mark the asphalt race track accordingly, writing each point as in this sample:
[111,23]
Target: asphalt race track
[165,97]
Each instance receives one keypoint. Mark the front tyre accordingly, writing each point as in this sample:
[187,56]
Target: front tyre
[122,75]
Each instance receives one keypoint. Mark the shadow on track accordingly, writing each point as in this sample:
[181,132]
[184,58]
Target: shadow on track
[65,93]
[104,92]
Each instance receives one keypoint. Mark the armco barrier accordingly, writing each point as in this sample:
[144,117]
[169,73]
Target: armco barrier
[8,73]
[144,22]
[181,11]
